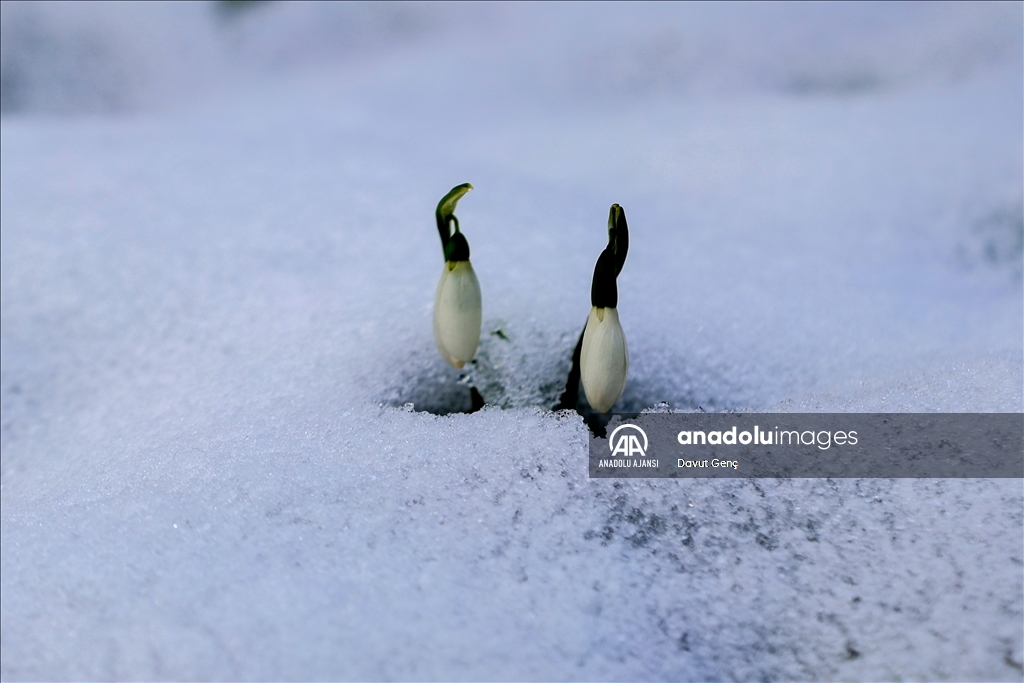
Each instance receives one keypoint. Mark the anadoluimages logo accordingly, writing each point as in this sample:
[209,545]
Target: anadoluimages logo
[627,444]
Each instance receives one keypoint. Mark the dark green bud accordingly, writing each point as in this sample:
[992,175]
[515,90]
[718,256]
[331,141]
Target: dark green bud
[604,291]
[457,248]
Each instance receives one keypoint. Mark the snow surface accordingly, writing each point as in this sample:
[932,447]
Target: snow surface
[218,266]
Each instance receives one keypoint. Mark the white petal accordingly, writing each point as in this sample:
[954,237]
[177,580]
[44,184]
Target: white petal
[604,359]
[457,314]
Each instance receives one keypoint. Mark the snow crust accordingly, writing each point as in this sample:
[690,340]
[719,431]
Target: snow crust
[218,266]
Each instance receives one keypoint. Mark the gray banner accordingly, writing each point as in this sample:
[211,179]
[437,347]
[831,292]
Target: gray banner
[833,445]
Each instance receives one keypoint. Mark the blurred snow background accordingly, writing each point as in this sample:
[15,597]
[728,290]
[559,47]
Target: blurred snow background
[218,264]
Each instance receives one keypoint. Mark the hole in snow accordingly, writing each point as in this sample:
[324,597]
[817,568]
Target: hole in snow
[519,367]
[436,388]
[513,368]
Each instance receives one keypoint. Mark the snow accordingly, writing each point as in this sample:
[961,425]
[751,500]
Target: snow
[218,268]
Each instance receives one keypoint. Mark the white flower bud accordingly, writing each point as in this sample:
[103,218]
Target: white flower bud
[457,313]
[604,359]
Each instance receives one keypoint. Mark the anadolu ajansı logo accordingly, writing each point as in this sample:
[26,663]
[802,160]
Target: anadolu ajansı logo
[627,444]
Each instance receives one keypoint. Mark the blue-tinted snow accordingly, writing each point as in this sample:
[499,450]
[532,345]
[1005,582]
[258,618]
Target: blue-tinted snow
[218,266]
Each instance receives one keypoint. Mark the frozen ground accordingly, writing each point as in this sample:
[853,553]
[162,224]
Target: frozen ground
[218,265]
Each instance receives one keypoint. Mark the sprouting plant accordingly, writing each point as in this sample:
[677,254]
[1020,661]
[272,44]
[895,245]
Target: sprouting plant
[601,359]
[457,304]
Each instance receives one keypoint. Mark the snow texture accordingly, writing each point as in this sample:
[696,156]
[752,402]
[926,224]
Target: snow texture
[230,449]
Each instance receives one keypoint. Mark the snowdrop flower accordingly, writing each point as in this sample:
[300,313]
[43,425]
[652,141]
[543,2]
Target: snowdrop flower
[457,309]
[604,359]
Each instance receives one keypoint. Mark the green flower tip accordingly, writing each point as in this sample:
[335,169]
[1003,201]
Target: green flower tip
[446,207]
[453,243]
